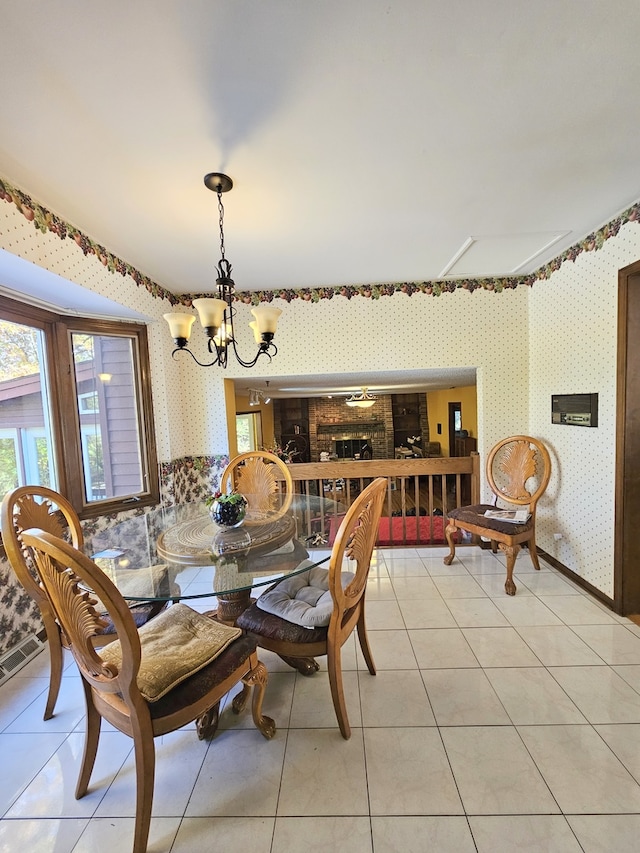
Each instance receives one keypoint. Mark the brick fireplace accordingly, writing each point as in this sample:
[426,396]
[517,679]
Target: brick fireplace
[332,421]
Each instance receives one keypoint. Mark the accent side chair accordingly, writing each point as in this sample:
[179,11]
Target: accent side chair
[518,472]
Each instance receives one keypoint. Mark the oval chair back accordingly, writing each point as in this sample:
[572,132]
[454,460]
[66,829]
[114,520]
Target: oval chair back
[253,474]
[38,506]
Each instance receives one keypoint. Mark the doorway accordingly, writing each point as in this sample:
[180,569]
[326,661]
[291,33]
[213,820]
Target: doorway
[455,425]
[626,577]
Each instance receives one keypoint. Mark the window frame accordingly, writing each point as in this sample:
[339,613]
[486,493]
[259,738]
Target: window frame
[256,428]
[58,329]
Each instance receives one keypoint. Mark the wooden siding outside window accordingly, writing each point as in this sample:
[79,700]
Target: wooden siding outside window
[99,408]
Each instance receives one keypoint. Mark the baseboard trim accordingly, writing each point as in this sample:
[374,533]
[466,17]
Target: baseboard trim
[581,582]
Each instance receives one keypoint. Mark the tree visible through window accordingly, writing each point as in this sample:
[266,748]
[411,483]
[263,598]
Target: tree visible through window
[248,431]
[26,442]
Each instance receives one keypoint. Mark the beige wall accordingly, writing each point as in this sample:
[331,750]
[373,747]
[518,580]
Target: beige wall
[438,413]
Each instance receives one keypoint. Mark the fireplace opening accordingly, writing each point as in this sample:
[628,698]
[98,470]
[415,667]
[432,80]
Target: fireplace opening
[353,448]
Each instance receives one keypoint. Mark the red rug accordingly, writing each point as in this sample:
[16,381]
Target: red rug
[405,531]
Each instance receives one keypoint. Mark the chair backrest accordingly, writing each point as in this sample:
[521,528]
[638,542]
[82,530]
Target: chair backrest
[35,506]
[72,582]
[253,475]
[518,470]
[355,540]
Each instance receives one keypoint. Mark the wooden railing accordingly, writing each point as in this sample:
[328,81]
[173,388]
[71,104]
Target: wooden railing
[420,493]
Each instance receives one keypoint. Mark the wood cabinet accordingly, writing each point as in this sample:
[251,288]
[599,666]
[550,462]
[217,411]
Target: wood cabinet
[291,422]
[465,446]
[408,419]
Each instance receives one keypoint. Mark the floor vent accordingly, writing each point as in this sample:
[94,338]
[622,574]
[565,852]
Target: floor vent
[19,656]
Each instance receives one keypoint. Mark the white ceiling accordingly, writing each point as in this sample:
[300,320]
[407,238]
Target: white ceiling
[345,384]
[368,141]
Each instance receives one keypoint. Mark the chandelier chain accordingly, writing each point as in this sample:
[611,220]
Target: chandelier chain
[221,223]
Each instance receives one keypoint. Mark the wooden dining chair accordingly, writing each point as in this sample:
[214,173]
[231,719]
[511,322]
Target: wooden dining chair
[253,474]
[518,471]
[152,680]
[38,506]
[314,613]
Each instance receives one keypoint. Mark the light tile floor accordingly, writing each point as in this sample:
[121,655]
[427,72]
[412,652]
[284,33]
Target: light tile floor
[493,724]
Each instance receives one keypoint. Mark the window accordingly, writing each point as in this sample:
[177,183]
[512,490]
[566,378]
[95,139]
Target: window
[248,431]
[26,442]
[75,409]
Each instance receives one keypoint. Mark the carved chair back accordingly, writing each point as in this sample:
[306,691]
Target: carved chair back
[253,474]
[35,506]
[355,541]
[518,470]
[73,584]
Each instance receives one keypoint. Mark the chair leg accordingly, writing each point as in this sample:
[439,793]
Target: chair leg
[449,530]
[257,678]
[512,552]
[91,738]
[364,643]
[334,665]
[531,544]
[55,661]
[145,757]
[240,699]
[305,666]
[207,724]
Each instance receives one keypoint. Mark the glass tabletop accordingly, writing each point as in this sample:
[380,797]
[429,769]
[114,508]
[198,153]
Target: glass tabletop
[178,553]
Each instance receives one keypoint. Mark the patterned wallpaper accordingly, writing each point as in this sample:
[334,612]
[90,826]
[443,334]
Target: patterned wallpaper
[526,343]
[573,323]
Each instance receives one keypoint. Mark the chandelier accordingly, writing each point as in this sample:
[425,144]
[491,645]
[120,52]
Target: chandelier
[217,313]
[364,400]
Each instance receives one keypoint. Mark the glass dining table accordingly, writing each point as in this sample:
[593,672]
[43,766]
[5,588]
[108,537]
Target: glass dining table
[178,553]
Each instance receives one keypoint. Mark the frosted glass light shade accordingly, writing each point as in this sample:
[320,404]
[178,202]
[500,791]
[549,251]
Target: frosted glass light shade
[210,311]
[364,400]
[253,325]
[266,318]
[361,404]
[180,324]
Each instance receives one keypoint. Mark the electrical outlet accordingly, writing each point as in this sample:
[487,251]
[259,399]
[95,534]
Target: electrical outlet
[557,536]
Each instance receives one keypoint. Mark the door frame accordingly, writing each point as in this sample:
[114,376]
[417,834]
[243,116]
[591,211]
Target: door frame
[626,578]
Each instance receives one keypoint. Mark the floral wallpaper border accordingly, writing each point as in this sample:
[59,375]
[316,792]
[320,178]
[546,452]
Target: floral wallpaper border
[44,221]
